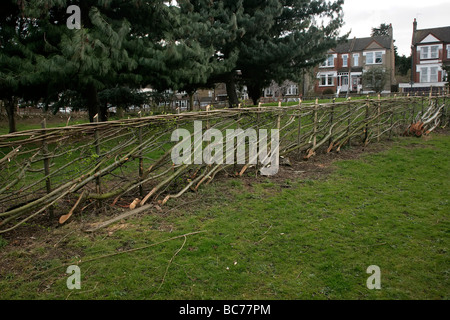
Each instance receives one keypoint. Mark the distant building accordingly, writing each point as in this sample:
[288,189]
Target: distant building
[288,91]
[343,69]
[430,53]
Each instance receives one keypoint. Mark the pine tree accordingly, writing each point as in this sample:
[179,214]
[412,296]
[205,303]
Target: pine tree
[21,50]
[272,40]
[382,30]
[283,38]
[204,29]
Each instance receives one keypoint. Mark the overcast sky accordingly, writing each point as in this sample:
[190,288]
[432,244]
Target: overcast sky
[361,15]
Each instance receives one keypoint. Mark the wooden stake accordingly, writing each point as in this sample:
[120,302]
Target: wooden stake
[97,151]
[378,116]
[45,154]
[316,105]
[141,159]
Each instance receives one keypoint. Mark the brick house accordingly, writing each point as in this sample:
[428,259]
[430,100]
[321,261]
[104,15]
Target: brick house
[431,53]
[344,66]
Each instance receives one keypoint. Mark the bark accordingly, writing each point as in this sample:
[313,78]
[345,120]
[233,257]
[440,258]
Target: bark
[233,100]
[191,102]
[10,112]
[254,91]
[93,103]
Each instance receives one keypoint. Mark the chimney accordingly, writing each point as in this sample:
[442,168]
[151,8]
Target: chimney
[414,31]
[391,31]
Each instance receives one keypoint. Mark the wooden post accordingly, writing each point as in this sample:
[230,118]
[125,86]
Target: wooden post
[97,151]
[422,103]
[349,123]
[45,154]
[141,159]
[392,119]
[378,116]
[331,121]
[299,132]
[316,105]
[366,130]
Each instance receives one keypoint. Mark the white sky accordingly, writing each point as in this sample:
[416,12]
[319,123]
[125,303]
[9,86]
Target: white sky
[361,15]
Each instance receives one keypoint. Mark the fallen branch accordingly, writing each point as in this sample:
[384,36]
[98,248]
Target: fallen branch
[120,217]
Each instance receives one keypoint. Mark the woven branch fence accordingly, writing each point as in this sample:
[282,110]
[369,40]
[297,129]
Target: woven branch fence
[125,167]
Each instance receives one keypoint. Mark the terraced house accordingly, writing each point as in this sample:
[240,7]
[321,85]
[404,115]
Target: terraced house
[343,69]
[431,56]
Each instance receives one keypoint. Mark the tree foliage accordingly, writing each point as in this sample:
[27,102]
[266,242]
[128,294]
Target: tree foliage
[375,79]
[177,45]
[382,30]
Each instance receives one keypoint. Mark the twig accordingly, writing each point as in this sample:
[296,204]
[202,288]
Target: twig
[121,252]
[168,265]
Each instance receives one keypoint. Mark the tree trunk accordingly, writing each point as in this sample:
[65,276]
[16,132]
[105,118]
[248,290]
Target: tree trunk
[191,101]
[254,91]
[233,100]
[103,112]
[119,112]
[10,111]
[93,102]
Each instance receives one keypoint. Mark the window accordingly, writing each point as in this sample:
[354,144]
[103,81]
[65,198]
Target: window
[424,53]
[448,51]
[378,57]
[429,52]
[429,74]
[329,62]
[433,74]
[326,80]
[374,57]
[356,60]
[434,52]
[369,58]
[345,60]
[292,90]
[424,75]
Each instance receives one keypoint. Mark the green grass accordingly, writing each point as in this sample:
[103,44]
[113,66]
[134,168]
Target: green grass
[313,239]
[54,122]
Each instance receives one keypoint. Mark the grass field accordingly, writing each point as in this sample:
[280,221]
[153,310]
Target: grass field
[298,237]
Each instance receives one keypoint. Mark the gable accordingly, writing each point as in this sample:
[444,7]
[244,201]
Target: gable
[374,45]
[429,39]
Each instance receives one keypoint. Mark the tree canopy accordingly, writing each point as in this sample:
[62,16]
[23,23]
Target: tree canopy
[176,45]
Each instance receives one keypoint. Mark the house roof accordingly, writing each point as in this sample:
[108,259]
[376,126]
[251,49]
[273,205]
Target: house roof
[442,34]
[362,43]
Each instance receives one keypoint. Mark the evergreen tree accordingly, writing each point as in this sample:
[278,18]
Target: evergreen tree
[20,52]
[278,40]
[382,30]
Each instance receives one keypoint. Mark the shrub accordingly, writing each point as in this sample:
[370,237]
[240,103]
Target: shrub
[328,91]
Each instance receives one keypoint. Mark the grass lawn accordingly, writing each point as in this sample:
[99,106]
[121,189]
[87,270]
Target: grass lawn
[294,238]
